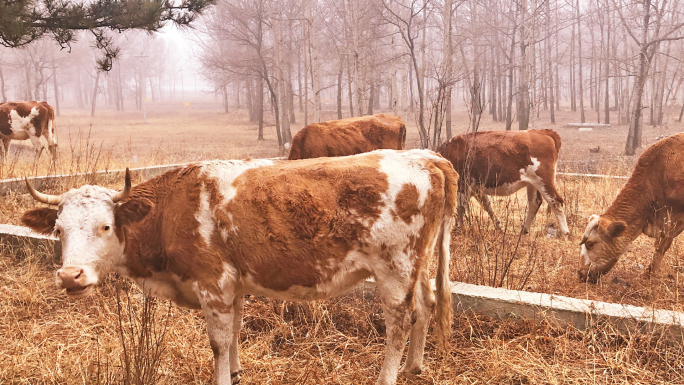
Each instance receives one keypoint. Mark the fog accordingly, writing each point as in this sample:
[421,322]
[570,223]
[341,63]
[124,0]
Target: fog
[608,61]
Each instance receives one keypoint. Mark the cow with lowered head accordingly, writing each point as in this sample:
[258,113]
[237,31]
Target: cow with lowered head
[349,136]
[28,120]
[503,162]
[650,203]
[206,234]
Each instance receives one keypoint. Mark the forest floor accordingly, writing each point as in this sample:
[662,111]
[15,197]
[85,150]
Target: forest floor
[53,339]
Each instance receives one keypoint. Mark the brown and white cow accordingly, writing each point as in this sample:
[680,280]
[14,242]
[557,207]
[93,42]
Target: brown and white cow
[501,163]
[206,234]
[28,120]
[651,203]
[349,136]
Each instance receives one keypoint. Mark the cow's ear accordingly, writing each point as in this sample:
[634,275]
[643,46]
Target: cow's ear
[133,210]
[40,220]
[616,228]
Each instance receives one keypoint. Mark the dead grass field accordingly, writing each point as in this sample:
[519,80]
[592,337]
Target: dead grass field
[52,339]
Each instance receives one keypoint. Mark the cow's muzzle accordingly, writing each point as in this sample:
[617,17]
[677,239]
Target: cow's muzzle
[72,279]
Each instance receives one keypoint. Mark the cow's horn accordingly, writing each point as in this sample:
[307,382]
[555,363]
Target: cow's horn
[40,197]
[126,192]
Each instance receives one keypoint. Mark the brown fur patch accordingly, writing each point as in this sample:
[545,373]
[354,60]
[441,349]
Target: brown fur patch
[299,219]
[40,220]
[407,203]
[349,137]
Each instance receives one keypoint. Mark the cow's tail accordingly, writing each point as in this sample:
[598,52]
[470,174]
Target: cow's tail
[402,135]
[444,310]
[556,139]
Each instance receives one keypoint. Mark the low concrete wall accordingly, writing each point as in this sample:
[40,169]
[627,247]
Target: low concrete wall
[573,174]
[580,313]
[42,182]
[19,237]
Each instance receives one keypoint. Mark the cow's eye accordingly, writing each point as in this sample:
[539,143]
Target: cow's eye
[58,232]
[105,228]
[589,245]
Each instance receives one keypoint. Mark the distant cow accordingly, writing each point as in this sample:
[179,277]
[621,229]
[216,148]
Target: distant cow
[501,163]
[349,137]
[28,120]
[651,203]
[206,234]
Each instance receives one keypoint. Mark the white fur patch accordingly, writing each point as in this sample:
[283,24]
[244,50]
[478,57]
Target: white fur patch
[205,217]
[225,172]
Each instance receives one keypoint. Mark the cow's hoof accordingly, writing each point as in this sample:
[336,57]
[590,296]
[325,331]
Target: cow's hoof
[412,372]
[235,377]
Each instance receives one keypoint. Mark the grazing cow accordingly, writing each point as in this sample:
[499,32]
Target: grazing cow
[501,163]
[651,203]
[349,137]
[206,234]
[28,120]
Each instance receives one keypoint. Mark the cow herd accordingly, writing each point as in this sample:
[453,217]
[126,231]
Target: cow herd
[351,207]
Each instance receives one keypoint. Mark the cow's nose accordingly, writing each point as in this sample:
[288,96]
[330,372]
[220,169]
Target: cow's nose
[70,276]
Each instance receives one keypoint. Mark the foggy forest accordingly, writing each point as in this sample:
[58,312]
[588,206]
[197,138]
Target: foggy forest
[506,59]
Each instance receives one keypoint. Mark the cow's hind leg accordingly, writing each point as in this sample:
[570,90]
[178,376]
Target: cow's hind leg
[534,201]
[235,368]
[395,294]
[487,205]
[220,317]
[424,303]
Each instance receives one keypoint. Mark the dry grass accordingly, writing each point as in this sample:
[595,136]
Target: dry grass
[52,339]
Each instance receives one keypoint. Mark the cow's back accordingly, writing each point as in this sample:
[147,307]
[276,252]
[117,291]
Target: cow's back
[349,137]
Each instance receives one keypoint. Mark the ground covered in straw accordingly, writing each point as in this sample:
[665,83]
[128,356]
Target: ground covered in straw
[51,339]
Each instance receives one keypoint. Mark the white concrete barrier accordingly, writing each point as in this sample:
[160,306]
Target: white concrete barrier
[41,182]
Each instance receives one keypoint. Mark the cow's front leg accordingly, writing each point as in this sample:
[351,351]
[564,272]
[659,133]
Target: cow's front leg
[5,148]
[220,317]
[37,145]
[486,203]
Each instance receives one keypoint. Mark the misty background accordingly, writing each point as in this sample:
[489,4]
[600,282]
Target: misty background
[297,61]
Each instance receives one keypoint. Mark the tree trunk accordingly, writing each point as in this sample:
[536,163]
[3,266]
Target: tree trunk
[225,99]
[314,65]
[2,85]
[350,93]
[606,101]
[579,62]
[634,134]
[251,97]
[573,96]
[260,107]
[394,92]
[290,99]
[548,59]
[340,72]
[511,67]
[286,135]
[371,99]
[523,79]
[97,80]
[54,85]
